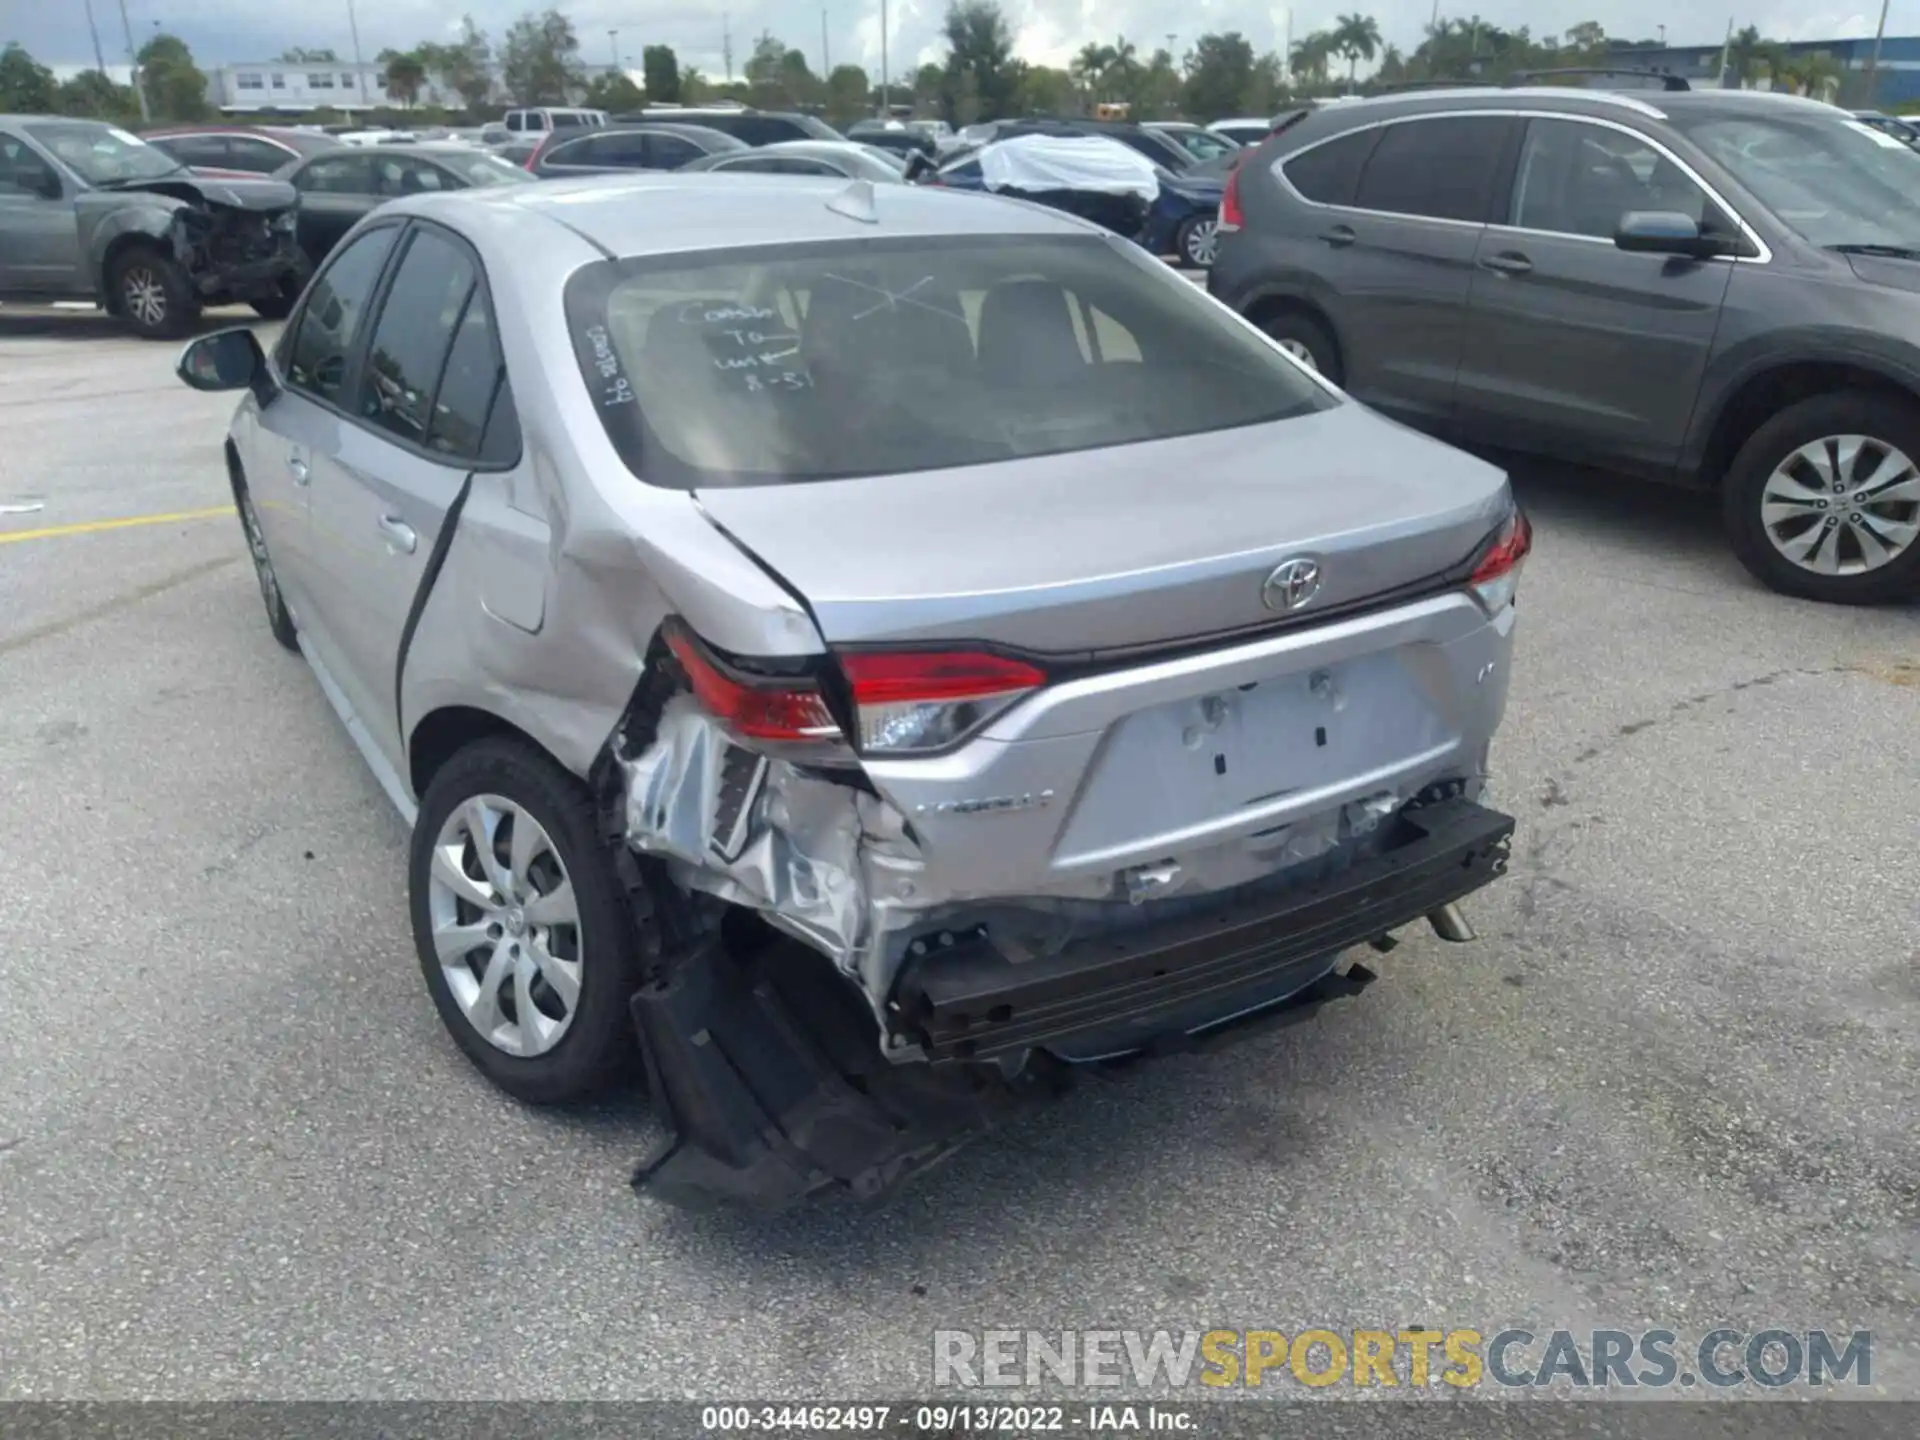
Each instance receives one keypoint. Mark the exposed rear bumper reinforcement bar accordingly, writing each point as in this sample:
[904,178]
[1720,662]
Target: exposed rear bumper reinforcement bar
[769,1075]
[970,1002]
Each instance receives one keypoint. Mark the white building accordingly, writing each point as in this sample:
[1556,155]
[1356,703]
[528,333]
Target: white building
[334,84]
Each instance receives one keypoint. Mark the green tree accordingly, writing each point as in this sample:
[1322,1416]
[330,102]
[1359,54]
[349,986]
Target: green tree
[1744,55]
[662,69]
[981,76]
[927,81]
[847,90]
[1308,60]
[540,59]
[94,95]
[176,89]
[1219,72]
[615,91]
[1089,68]
[695,88]
[26,86]
[1044,90]
[1355,38]
[406,73]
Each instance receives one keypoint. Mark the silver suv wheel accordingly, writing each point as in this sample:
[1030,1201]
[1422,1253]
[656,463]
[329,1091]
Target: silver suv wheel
[1842,505]
[505,925]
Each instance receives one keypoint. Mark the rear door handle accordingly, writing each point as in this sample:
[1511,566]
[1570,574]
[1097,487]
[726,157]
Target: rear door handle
[298,469]
[1507,262]
[399,534]
[1339,236]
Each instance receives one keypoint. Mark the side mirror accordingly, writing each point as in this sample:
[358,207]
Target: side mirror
[225,360]
[1665,232]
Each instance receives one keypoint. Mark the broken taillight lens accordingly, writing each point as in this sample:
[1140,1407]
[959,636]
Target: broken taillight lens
[782,710]
[911,703]
[1497,575]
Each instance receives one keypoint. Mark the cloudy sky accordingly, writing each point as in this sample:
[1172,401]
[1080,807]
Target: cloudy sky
[223,31]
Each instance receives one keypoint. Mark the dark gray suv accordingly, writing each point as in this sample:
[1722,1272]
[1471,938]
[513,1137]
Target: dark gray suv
[1714,288]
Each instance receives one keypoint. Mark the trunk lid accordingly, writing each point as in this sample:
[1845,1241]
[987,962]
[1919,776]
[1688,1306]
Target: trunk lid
[1123,548]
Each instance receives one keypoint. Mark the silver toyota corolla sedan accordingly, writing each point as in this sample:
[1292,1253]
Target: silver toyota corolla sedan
[860,651]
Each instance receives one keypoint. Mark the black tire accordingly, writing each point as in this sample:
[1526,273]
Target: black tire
[1296,327]
[1884,419]
[599,1047]
[152,294]
[278,620]
[1188,238]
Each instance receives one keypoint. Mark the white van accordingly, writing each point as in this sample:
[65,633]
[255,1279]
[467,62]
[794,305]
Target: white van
[540,120]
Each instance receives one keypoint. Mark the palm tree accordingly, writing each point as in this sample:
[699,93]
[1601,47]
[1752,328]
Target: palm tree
[1091,65]
[1357,37]
[1308,60]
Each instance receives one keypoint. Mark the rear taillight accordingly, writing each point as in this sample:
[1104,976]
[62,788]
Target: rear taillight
[780,710]
[911,703]
[1230,217]
[904,703]
[1497,575]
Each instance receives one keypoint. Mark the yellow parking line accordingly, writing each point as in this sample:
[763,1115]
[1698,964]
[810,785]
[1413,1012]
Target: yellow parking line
[89,527]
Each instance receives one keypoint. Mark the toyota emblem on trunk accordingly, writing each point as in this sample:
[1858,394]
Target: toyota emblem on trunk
[1292,584]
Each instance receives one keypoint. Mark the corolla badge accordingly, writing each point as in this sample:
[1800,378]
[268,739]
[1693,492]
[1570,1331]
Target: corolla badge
[1292,584]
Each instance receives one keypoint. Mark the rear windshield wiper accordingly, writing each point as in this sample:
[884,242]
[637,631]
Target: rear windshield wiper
[1885,252]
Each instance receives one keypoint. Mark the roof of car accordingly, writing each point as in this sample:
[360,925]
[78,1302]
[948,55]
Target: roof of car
[1649,104]
[665,212]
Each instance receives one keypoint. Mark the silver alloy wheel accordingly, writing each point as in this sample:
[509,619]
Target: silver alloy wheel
[145,296]
[262,565]
[1203,240]
[1299,351]
[506,926]
[1842,505]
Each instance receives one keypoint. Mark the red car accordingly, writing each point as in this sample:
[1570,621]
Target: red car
[238,151]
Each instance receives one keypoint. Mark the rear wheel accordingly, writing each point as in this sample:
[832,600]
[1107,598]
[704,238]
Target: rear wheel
[523,929]
[1304,338]
[1823,501]
[153,294]
[1198,241]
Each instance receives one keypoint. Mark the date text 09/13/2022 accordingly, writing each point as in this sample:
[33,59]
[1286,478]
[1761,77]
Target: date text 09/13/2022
[947,1419]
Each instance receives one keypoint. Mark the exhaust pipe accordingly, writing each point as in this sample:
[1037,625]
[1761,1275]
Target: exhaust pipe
[1450,924]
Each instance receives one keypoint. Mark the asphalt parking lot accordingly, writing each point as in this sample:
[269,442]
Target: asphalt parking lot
[1674,1083]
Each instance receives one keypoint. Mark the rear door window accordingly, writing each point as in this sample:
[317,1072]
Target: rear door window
[338,175]
[1329,173]
[423,308]
[823,361]
[1440,167]
[670,152]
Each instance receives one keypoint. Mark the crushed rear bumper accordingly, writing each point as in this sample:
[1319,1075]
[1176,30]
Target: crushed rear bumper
[773,1086]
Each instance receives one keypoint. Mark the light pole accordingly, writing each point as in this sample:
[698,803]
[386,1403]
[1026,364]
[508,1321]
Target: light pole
[133,67]
[613,40]
[826,58]
[1663,36]
[1873,63]
[99,59]
[886,88]
[359,71]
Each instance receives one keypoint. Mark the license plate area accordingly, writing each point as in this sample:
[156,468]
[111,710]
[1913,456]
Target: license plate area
[1218,753]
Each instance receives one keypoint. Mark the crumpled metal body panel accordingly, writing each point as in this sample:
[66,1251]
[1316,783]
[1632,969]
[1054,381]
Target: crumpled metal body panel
[835,865]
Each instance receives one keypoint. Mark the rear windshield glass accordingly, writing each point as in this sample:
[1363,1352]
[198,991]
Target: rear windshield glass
[817,362]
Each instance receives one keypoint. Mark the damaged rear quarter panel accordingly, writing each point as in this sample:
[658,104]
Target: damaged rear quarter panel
[570,536]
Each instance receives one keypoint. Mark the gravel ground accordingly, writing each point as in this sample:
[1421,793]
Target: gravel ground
[1673,1085]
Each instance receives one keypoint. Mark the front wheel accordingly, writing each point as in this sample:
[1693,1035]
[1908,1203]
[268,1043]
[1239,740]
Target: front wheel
[1823,501]
[1198,241]
[153,294]
[524,931]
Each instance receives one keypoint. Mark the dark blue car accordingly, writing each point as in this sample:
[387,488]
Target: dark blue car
[1183,221]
